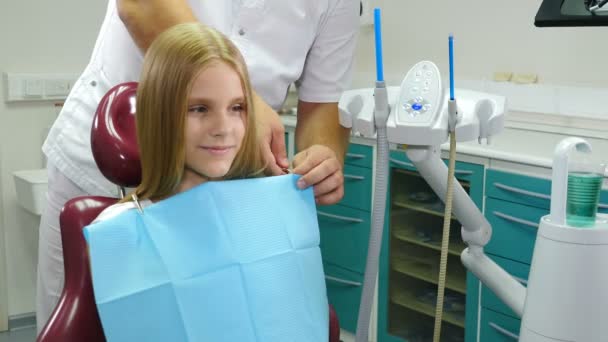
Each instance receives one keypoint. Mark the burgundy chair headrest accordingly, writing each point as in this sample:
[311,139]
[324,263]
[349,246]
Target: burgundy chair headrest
[114,138]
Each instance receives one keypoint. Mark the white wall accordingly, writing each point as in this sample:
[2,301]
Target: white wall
[40,37]
[3,282]
[490,35]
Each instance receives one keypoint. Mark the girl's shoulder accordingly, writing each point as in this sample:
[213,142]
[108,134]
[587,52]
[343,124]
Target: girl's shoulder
[119,208]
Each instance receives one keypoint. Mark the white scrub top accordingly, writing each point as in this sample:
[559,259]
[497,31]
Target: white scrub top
[309,42]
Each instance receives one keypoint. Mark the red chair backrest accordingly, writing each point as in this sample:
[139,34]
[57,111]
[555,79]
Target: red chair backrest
[114,137]
[114,147]
[75,317]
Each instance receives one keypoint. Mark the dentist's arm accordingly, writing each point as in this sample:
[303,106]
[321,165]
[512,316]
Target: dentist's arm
[146,19]
[323,143]
[319,136]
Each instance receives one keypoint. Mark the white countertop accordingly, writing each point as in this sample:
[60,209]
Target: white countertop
[528,147]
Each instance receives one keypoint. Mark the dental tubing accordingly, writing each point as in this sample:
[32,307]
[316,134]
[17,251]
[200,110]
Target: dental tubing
[381,184]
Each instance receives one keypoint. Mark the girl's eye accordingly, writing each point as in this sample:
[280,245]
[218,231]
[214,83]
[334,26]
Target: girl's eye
[197,109]
[238,108]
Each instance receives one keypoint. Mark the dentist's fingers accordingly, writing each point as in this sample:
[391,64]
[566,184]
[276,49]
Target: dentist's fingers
[320,168]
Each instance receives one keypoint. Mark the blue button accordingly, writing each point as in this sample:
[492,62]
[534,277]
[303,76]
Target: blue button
[417,106]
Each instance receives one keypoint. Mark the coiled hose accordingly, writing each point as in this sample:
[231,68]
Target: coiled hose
[375,238]
[447,217]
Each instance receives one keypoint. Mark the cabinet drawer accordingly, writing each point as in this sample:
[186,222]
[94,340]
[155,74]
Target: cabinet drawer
[344,293]
[603,205]
[518,270]
[467,171]
[526,190]
[357,187]
[514,228]
[359,155]
[344,236]
[518,188]
[496,327]
[464,171]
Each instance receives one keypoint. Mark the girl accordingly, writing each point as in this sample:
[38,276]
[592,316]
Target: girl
[194,116]
[195,124]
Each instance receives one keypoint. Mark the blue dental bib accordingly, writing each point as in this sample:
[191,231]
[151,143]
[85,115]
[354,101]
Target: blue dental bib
[225,261]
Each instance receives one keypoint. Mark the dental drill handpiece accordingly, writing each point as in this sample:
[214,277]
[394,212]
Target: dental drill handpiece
[381,113]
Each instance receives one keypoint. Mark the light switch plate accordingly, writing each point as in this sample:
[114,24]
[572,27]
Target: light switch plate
[38,87]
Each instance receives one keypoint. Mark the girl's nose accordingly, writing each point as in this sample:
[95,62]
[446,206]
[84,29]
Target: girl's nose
[221,124]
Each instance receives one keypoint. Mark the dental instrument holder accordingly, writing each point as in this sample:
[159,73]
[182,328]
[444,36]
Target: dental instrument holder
[566,294]
[480,116]
[381,113]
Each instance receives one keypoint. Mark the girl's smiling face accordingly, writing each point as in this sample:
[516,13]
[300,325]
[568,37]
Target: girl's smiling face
[215,124]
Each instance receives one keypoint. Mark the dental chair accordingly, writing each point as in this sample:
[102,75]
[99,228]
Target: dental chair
[114,146]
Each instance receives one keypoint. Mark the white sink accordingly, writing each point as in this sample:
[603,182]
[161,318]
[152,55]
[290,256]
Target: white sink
[31,187]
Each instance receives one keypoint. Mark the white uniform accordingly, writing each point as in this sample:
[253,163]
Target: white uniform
[309,42]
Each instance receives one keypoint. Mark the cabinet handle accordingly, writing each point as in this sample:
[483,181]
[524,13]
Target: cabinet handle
[534,194]
[338,217]
[463,172]
[343,281]
[503,331]
[399,162]
[458,172]
[354,177]
[521,192]
[516,219]
[355,156]
[521,280]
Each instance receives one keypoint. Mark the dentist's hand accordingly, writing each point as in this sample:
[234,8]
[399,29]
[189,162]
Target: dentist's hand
[272,134]
[321,168]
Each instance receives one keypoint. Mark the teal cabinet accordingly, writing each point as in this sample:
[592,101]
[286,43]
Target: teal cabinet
[357,187]
[517,188]
[603,206]
[344,236]
[496,327]
[514,229]
[344,289]
[344,229]
[359,155]
[515,204]
[410,259]
[526,190]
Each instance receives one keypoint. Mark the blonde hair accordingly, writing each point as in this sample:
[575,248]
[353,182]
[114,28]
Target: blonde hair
[172,63]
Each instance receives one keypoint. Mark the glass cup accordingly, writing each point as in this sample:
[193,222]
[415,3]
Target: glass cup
[584,188]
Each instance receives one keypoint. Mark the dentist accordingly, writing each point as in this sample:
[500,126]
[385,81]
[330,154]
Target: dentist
[307,42]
